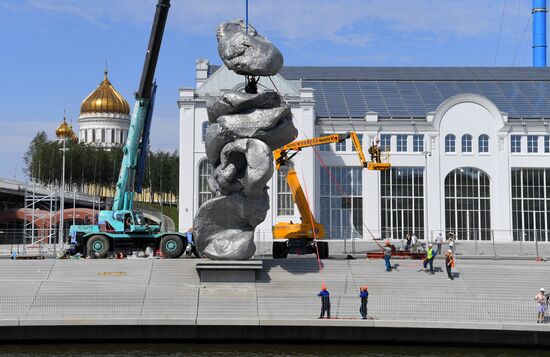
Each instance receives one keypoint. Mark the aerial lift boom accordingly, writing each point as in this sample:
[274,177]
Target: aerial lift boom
[302,238]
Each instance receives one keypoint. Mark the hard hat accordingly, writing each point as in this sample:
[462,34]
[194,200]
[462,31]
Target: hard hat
[429,244]
[323,286]
[542,289]
[450,251]
[365,287]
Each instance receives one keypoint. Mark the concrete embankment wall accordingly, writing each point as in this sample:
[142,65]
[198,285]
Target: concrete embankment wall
[307,331]
[488,303]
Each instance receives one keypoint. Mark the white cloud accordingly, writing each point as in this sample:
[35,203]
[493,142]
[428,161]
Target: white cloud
[350,22]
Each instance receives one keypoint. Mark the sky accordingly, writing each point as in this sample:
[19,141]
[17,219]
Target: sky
[53,52]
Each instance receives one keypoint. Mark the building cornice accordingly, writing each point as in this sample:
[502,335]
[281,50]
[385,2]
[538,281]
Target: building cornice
[104,116]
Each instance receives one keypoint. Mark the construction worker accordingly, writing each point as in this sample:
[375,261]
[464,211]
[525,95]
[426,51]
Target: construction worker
[449,263]
[325,302]
[374,151]
[407,241]
[430,255]
[127,222]
[387,255]
[364,295]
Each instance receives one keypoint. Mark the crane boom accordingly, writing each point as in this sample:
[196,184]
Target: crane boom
[288,151]
[123,229]
[134,152]
[304,237]
[283,158]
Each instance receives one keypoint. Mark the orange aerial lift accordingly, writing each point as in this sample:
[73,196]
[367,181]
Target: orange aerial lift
[305,237]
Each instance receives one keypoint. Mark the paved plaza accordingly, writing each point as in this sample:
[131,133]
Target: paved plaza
[144,289]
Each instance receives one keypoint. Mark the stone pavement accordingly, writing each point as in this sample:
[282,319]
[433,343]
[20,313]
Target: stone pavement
[486,291]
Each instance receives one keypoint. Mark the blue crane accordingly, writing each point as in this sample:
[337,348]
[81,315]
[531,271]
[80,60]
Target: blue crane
[123,228]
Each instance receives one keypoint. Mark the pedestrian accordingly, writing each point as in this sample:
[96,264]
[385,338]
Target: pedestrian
[542,304]
[449,263]
[190,243]
[451,241]
[325,302]
[364,295]
[387,255]
[408,241]
[414,243]
[439,242]
[430,254]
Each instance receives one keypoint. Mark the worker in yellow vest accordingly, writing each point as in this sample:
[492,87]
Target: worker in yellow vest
[430,255]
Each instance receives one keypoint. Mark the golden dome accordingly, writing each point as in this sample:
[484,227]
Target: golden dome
[105,99]
[65,131]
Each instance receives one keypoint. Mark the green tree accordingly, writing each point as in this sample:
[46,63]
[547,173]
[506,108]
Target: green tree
[90,165]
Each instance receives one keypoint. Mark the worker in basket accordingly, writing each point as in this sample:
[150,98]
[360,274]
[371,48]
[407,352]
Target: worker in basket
[374,151]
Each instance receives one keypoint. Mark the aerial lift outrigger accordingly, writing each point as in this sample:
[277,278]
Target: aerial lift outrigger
[122,227]
[306,237]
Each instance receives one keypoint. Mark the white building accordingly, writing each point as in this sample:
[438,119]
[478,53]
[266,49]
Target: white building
[104,117]
[470,149]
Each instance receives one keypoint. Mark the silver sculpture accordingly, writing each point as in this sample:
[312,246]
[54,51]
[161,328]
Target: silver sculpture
[246,127]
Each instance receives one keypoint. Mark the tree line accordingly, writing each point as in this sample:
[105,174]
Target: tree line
[91,165]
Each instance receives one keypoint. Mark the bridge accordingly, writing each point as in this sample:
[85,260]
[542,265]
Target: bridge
[29,212]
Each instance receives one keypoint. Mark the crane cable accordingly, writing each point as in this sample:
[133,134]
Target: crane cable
[339,187]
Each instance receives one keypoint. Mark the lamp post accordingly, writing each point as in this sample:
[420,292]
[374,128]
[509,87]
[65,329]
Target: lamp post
[64,132]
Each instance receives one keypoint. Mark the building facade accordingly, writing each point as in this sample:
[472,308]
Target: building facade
[469,148]
[104,117]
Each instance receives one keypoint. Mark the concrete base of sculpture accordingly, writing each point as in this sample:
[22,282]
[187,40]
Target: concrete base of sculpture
[228,271]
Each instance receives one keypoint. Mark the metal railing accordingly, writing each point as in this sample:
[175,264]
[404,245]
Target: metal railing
[248,306]
[499,243]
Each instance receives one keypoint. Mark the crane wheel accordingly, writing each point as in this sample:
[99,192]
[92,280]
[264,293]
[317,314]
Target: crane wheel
[322,248]
[99,245]
[280,250]
[171,246]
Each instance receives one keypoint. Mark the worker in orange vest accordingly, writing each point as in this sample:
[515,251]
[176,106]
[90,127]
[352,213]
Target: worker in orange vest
[449,263]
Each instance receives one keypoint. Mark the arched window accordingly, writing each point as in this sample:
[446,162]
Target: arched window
[468,204]
[466,143]
[102,135]
[205,126]
[205,170]
[93,135]
[450,143]
[483,143]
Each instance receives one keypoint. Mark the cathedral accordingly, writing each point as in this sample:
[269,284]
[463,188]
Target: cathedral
[104,117]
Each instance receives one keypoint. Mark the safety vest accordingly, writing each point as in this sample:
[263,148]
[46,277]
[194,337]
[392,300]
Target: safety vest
[430,253]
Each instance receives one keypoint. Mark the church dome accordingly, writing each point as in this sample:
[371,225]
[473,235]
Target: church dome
[65,131]
[105,99]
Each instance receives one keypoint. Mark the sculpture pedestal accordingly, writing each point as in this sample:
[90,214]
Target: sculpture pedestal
[228,271]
